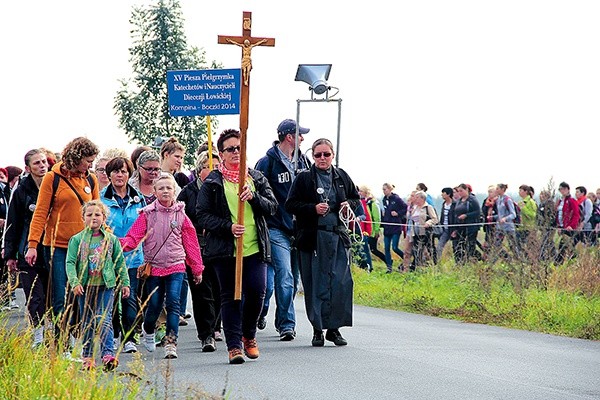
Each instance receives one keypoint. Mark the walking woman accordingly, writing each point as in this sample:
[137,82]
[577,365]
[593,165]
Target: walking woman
[467,214]
[317,198]
[34,277]
[124,204]
[217,210]
[394,216]
[57,215]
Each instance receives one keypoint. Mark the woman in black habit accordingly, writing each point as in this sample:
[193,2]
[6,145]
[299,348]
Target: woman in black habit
[317,198]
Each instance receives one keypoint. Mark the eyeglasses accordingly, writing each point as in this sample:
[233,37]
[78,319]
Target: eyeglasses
[150,169]
[101,170]
[319,155]
[232,149]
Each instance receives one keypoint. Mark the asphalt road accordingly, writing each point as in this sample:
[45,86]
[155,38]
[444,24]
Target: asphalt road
[391,355]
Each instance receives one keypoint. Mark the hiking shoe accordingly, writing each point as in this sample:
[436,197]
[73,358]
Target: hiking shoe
[262,323]
[149,341]
[318,340]
[250,348]
[287,335]
[236,356]
[88,363]
[182,321]
[170,350]
[209,345]
[333,335]
[109,362]
[129,347]
[218,336]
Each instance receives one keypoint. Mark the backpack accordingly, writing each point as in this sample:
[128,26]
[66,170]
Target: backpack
[57,179]
[517,219]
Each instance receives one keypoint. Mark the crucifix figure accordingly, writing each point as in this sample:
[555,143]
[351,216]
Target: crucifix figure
[246,59]
[246,42]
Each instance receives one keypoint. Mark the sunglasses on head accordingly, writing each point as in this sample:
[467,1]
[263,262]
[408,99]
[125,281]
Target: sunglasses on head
[324,154]
[232,149]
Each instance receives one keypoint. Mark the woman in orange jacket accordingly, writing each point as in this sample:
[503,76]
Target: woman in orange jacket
[57,215]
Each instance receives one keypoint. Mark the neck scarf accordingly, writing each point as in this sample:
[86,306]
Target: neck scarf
[230,175]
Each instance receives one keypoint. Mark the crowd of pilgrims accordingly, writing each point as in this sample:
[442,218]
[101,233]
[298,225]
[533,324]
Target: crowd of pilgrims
[78,226]
[497,227]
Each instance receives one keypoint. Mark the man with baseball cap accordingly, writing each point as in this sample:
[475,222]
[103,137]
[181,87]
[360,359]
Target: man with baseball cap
[280,168]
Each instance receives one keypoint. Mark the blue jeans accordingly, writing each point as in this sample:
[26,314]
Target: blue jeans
[281,280]
[56,263]
[366,261]
[391,241]
[95,307]
[160,287]
[185,287]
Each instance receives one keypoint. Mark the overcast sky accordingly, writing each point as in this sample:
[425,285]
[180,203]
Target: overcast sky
[440,92]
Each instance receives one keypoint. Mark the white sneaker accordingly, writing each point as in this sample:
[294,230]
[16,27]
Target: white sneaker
[68,356]
[129,347]
[13,305]
[170,350]
[148,342]
[38,336]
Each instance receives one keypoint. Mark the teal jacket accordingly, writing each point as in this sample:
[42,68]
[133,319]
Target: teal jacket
[113,262]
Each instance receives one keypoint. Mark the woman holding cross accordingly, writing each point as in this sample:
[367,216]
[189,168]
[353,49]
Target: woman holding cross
[217,210]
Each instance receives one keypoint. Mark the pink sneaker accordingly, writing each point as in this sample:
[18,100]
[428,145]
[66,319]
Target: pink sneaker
[109,362]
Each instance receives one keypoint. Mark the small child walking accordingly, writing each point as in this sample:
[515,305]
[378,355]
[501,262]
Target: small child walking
[95,267]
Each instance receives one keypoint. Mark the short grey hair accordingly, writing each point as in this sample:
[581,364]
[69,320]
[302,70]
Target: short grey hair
[421,194]
[148,155]
[203,159]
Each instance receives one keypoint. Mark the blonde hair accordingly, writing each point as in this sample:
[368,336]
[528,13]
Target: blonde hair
[365,189]
[166,177]
[95,203]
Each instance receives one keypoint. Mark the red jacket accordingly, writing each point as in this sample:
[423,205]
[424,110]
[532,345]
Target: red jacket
[570,213]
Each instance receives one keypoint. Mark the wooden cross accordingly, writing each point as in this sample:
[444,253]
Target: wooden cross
[246,42]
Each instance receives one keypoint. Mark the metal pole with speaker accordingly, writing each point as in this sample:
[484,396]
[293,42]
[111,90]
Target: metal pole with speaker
[316,76]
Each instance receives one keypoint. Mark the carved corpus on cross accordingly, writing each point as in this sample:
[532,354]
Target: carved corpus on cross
[246,42]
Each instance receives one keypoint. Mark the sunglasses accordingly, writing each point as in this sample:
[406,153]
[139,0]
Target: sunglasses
[232,149]
[319,155]
[150,169]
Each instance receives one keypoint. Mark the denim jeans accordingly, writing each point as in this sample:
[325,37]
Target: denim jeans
[391,241]
[56,263]
[366,261]
[95,307]
[185,288]
[280,279]
[444,238]
[240,317]
[164,290]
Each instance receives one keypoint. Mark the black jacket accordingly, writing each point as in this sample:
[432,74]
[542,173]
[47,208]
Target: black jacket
[20,213]
[214,216]
[303,199]
[280,181]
